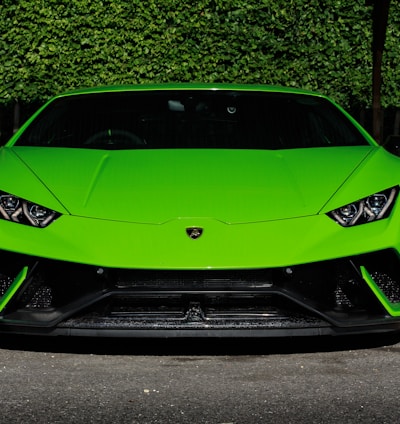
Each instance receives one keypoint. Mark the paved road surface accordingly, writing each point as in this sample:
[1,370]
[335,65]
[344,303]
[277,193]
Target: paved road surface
[216,381]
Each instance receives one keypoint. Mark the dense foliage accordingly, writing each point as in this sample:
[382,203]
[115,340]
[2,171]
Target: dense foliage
[49,46]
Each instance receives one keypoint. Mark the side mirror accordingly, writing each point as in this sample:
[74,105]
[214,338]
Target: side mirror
[392,144]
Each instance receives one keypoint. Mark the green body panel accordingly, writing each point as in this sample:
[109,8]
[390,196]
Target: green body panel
[18,179]
[379,171]
[155,186]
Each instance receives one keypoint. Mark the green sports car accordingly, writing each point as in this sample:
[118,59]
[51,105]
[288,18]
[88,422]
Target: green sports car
[197,210]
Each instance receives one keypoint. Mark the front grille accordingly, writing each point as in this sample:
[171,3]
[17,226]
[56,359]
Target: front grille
[191,308]
[389,286]
[205,312]
[194,280]
[38,297]
[317,294]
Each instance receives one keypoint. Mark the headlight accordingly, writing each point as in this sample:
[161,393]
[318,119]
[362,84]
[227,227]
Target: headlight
[15,209]
[371,208]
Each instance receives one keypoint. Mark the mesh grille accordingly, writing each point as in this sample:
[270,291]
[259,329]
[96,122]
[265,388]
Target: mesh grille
[388,285]
[41,298]
[5,283]
[135,279]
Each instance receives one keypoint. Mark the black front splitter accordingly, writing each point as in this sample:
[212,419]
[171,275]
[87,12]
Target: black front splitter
[384,328]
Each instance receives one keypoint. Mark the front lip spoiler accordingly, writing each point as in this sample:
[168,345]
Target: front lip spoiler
[383,328]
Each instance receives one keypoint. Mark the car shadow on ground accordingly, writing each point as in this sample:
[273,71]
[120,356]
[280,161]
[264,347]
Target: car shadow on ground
[196,346]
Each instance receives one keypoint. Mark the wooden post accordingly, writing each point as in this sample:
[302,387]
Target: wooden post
[16,117]
[380,18]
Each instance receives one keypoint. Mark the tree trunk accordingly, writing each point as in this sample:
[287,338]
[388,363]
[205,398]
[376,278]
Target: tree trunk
[380,18]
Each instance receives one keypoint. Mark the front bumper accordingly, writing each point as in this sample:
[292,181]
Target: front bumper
[352,295]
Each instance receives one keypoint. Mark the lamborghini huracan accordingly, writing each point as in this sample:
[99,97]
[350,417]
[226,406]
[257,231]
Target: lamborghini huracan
[189,210]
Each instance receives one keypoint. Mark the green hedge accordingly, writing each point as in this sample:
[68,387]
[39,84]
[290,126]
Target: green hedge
[49,46]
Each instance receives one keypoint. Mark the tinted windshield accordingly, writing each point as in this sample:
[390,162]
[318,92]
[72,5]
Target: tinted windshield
[191,119]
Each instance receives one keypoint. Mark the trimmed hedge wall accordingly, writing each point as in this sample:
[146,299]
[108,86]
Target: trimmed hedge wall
[49,46]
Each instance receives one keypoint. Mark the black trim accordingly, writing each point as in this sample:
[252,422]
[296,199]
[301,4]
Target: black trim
[321,298]
[386,328]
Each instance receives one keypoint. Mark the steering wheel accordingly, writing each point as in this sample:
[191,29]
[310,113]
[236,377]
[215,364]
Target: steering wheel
[112,137]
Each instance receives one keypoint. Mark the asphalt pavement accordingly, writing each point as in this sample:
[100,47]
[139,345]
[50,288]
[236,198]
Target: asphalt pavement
[324,380]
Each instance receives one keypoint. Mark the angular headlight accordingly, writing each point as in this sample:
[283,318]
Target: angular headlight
[371,208]
[15,209]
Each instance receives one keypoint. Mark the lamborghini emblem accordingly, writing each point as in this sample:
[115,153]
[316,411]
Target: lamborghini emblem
[194,232]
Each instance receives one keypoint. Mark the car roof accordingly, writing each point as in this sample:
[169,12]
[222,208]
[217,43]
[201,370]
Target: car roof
[191,86]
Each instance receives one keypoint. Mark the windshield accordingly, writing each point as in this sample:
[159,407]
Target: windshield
[191,119]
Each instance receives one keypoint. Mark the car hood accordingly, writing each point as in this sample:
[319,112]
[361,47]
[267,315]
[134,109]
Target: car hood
[156,186]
